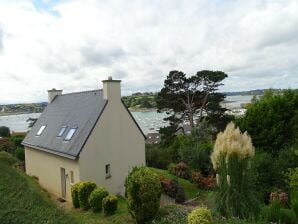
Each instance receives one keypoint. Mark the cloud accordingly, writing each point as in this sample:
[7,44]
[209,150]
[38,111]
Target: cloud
[75,44]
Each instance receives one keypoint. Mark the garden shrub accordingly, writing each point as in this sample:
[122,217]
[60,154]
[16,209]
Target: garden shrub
[292,178]
[201,181]
[17,140]
[271,213]
[171,214]
[109,204]
[231,160]
[96,197]
[4,131]
[20,153]
[75,195]
[172,189]
[181,170]
[159,157]
[200,216]
[143,191]
[84,190]
[287,216]
[6,145]
[294,202]
[280,196]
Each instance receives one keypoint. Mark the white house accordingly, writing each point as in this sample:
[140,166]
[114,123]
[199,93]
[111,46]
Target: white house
[84,136]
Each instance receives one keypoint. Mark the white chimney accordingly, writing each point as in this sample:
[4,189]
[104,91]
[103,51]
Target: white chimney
[111,89]
[52,93]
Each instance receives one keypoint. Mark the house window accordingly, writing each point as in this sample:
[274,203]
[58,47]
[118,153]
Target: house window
[70,134]
[41,130]
[71,177]
[61,132]
[108,171]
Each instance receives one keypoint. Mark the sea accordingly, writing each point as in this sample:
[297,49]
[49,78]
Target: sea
[149,121]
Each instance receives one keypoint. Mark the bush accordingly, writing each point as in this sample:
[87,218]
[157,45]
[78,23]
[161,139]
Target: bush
[17,140]
[172,189]
[143,191]
[287,216]
[208,182]
[181,170]
[171,214]
[6,145]
[292,178]
[109,204]
[20,153]
[75,195]
[96,197]
[200,216]
[159,157]
[4,131]
[84,190]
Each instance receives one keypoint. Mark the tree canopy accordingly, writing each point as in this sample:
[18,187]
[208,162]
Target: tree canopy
[192,98]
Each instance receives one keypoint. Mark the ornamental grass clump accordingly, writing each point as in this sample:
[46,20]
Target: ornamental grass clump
[231,157]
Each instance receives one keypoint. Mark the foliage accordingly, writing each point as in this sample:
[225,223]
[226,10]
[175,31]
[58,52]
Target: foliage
[172,189]
[6,145]
[200,216]
[231,160]
[272,121]
[4,131]
[292,176]
[275,213]
[20,153]
[171,214]
[183,97]
[75,195]
[140,100]
[143,191]
[96,197]
[180,170]
[208,182]
[109,204]
[84,191]
[280,196]
[17,140]
[159,157]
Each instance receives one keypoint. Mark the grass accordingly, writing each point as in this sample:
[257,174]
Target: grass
[23,201]
[191,190]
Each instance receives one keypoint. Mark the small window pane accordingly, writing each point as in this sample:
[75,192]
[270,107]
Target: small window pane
[70,134]
[41,130]
[61,132]
[71,177]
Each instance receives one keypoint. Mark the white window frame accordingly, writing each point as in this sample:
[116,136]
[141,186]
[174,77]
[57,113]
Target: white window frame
[62,131]
[41,129]
[70,134]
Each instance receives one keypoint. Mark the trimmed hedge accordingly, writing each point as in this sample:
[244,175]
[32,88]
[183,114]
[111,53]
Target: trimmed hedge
[200,216]
[75,195]
[143,191]
[96,197]
[109,204]
[84,191]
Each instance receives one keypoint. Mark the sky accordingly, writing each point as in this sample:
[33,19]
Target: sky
[74,44]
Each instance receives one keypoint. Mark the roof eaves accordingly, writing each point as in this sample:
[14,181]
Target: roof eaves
[52,151]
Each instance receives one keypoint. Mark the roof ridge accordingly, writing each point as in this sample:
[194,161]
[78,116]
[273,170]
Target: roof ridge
[87,91]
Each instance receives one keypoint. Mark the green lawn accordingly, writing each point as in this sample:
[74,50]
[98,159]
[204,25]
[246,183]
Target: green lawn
[191,190]
[23,201]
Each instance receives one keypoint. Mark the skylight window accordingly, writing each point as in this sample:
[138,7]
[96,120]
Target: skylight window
[61,132]
[70,134]
[41,130]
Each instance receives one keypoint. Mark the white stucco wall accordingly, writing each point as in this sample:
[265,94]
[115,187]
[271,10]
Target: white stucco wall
[115,140]
[46,167]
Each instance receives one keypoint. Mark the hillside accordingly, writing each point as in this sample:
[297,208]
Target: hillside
[145,100]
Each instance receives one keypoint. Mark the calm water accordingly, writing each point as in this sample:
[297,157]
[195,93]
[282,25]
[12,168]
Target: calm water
[149,121]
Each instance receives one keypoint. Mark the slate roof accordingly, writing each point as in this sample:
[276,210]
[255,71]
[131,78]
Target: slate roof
[75,110]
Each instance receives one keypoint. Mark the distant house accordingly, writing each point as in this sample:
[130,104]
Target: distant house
[84,136]
[153,138]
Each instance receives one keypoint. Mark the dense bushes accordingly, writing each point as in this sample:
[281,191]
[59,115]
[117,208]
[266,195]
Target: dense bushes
[96,197]
[172,189]
[142,191]
[4,131]
[75,195]
[109,204]
[84,191]
[208,182]
[180,170]
[20,153]
[200,216]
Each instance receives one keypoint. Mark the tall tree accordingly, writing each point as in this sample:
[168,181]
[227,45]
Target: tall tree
[184,98]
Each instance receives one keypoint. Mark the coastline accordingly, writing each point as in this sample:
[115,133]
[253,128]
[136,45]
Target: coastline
[3,114]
